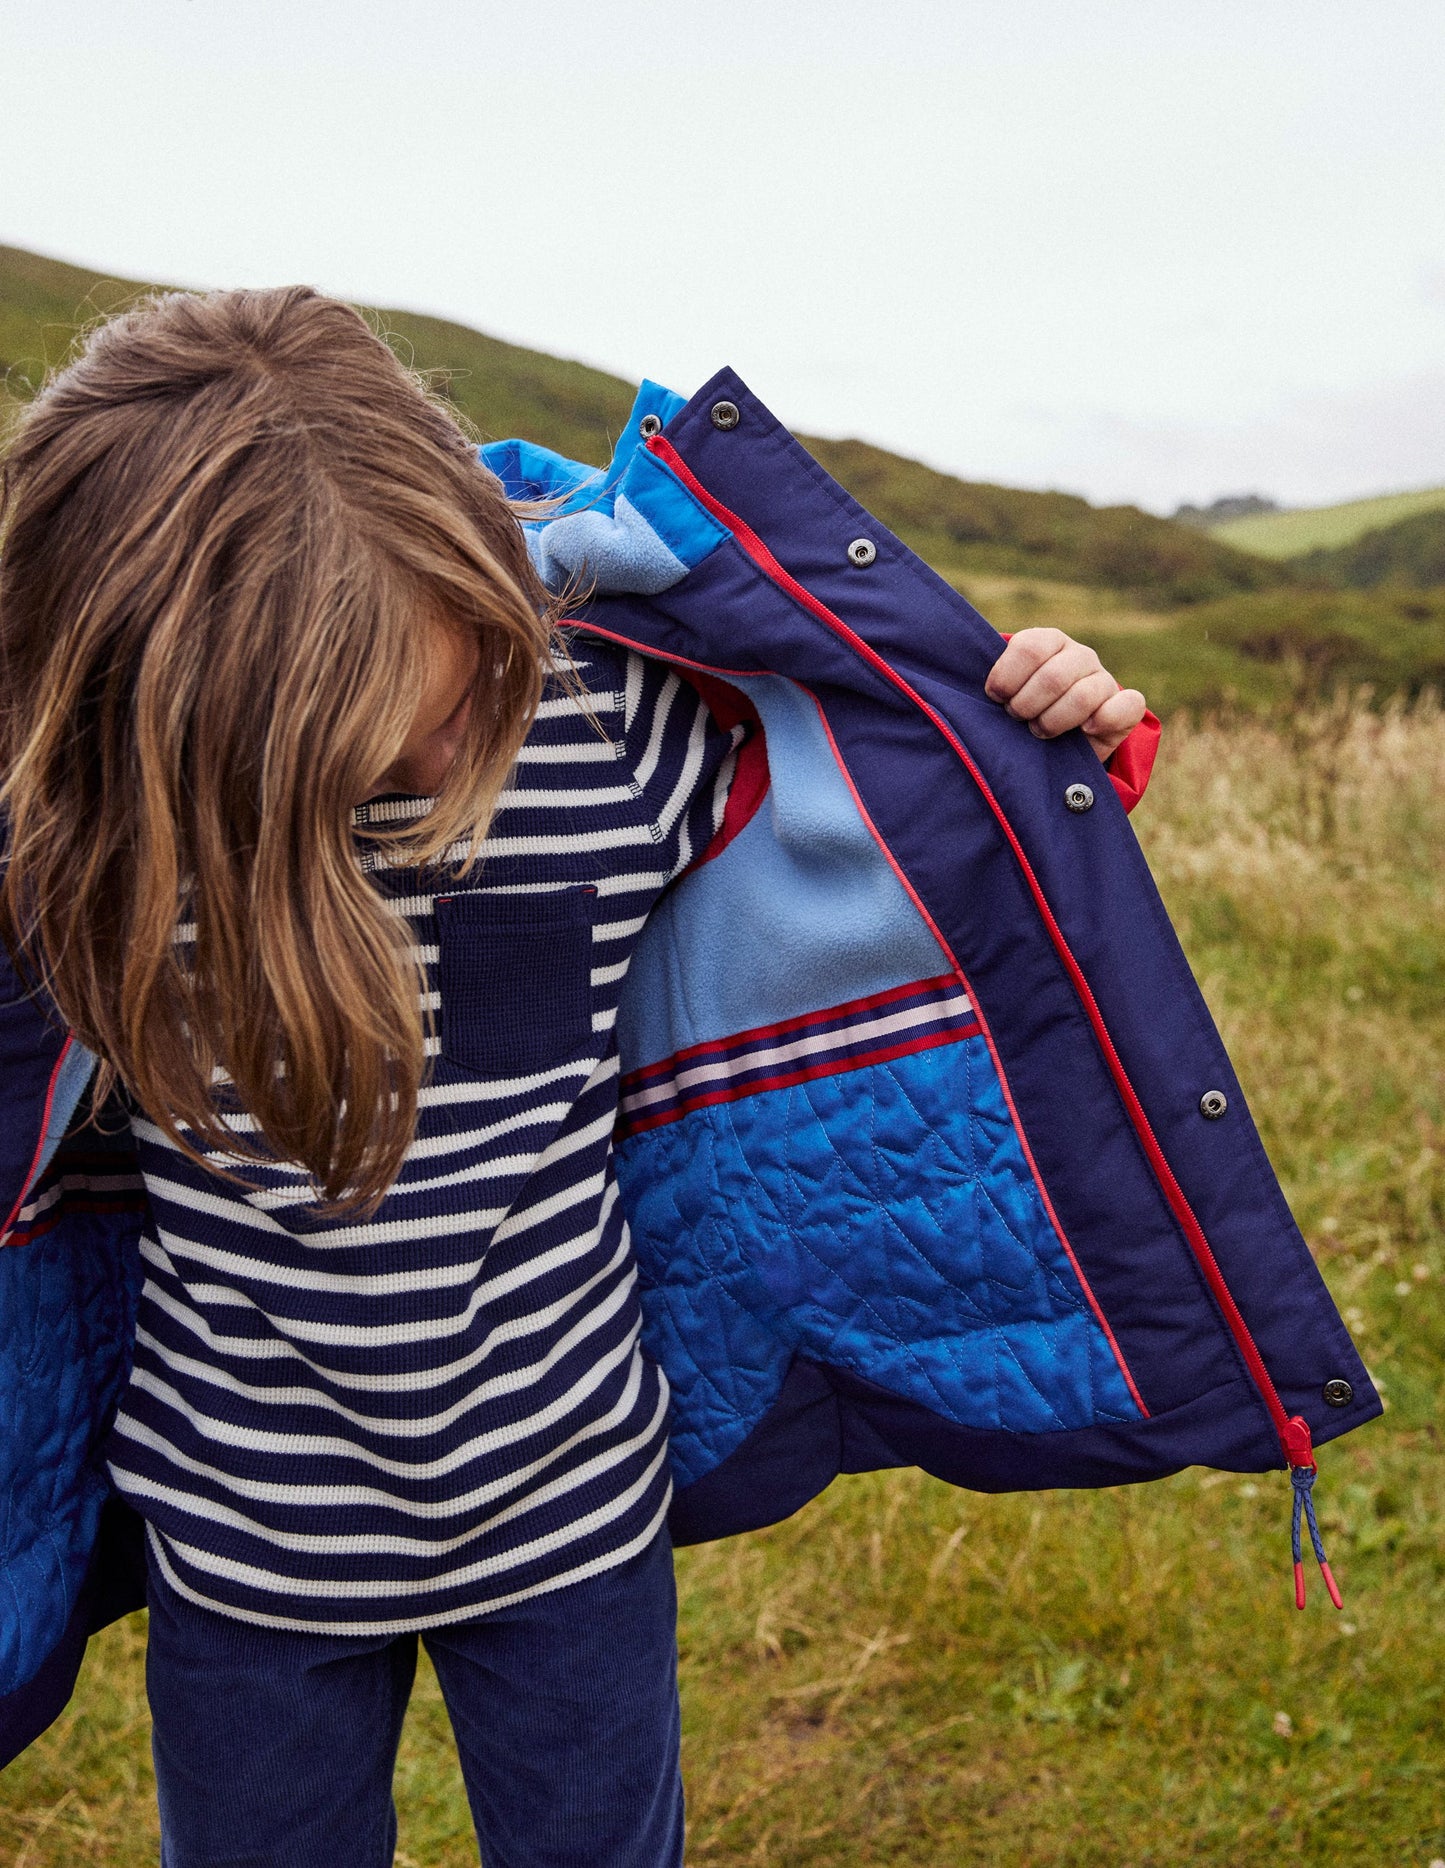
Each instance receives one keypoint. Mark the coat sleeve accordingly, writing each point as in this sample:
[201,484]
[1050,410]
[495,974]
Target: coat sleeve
[1132,761]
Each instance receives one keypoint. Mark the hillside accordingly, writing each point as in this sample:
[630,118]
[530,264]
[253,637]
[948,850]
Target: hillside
[963,526]
[1323,528]
[504,389]
[1408,553]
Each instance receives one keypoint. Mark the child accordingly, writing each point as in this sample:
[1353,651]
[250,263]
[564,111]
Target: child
[279,675]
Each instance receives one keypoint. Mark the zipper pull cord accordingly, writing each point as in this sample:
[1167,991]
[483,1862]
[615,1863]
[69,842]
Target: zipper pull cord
[1302,1478]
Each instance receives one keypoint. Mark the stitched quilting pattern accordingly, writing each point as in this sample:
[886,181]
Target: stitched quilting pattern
[67,1302]
[881,1221]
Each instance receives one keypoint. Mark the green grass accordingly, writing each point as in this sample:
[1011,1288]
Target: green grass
[1257,652]
[1323,528]
[908,1674]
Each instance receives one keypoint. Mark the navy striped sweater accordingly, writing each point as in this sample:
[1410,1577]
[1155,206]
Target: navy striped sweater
[389,1425]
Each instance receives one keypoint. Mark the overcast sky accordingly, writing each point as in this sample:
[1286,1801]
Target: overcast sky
[1141,249]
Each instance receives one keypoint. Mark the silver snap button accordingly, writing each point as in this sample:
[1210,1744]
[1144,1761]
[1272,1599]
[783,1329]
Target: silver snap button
[725,415]
[650,425]
[1079,798]
[1212,1104]
[862,551]
[1338,1393]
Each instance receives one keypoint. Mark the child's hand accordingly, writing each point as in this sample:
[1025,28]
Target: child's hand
[1055,683]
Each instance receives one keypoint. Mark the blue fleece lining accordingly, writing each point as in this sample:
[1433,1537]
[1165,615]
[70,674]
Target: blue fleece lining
[631,526]
[75,1073]
[799,912]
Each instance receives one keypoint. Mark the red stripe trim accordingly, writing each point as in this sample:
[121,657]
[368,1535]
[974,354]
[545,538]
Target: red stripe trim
[34,1167]
[72,1203]
[1173,1192]
[730,707]
[743,1068]
[759,1034]
[784,1079]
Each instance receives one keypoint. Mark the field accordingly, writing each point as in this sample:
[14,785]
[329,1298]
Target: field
[1323,528]
[908,1674]
[1262,652]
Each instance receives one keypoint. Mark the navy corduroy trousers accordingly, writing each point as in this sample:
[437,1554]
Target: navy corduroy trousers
[276,1750]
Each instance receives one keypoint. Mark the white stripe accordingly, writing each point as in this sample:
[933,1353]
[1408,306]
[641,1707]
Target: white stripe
[657,733]
[640,882]
[565,800]
[362,1589]
[376,1286]
[351,1543]
[271,1347]
[570,842]
[619,930]
[636,674]
[386,1426]
[685,790]
[588,752]
[611,1559]
[606,702]
[322,1446]
[310,1395]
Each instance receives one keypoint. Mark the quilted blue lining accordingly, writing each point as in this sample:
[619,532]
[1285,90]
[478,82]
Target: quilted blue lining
[67,1303]
[882,1221]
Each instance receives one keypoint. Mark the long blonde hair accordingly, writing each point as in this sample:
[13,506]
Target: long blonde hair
[223,530]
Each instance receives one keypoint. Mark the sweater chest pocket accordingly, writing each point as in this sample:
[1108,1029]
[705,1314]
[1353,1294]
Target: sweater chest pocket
[514,973]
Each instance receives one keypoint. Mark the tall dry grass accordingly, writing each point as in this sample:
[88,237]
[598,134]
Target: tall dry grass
[909,1674]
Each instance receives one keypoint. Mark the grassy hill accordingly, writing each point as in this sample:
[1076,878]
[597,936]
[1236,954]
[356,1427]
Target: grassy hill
[504,389]
[963,526]
[1410,553]
[1196,623]
[1323,528]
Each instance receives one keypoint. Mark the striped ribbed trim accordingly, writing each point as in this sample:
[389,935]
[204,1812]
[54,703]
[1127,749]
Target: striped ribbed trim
[78,1184]
[873,1030]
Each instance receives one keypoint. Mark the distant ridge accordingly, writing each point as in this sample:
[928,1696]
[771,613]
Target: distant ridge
[1323,528]
[1219,511]
[960,526]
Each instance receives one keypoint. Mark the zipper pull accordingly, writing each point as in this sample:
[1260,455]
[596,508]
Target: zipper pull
[1303,1473]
